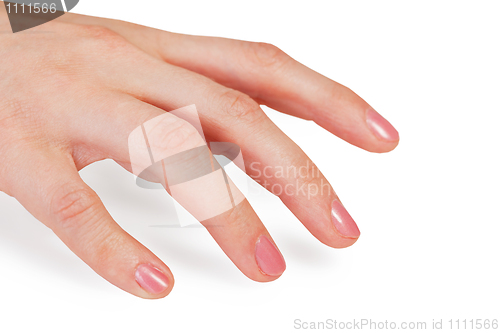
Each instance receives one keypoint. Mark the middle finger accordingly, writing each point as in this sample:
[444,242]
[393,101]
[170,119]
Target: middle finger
[231,116]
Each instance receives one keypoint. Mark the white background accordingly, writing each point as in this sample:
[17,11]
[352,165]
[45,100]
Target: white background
[428,212]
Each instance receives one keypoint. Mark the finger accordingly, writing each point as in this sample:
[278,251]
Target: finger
[146,139]
[51,189]
[268,75]
[270,156]
[273,78]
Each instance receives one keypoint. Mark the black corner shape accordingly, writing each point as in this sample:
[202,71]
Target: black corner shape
[25,14]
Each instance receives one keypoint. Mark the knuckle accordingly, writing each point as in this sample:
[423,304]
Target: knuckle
[73,207]
[104,247]
[174,136]
[96,31]
[238,218]
[241,107]
[310,178]
[297,177]
[105,37]
[267,55]
[76,211]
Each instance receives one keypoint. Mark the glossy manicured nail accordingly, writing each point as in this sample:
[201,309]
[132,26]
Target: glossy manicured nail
[151,279]
[343,222]
[380,127]
[268,257]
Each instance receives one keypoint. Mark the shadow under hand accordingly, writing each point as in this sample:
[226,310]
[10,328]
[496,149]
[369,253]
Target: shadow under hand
[152,217]
[30,242]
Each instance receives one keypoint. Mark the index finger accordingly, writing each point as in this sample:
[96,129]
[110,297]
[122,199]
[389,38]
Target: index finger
[273,78]
[266,74]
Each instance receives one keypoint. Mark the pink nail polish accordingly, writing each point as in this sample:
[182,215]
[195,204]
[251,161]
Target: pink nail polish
[151,279]
[380,127]
[269,259]
[343,222]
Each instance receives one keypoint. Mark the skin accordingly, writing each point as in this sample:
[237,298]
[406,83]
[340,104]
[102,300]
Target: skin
[71,97]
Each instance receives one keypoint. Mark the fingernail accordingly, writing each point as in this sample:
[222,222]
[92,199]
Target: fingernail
[151,279]
[380,127]
[269,259]
[343,222]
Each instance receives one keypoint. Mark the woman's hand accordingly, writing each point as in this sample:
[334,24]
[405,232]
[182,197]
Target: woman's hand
[74,89]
